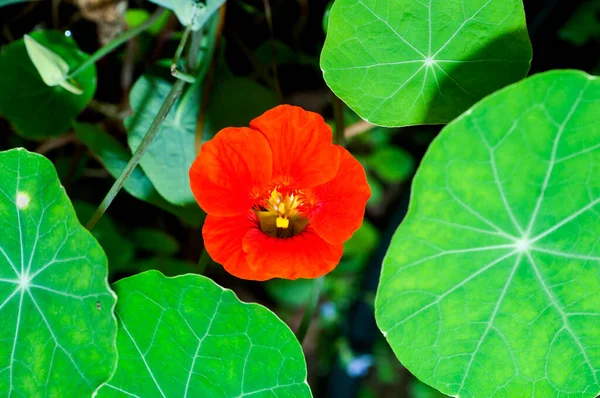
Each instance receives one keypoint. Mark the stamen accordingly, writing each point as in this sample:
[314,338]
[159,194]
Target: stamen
[282,213]
[281,222]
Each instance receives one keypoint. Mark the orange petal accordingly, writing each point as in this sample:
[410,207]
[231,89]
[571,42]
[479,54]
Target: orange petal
[303,155]
[231,171]
[305,255]
[223,241]
[337,207]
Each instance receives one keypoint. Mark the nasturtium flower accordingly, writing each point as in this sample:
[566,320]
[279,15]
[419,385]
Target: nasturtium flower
[280,198]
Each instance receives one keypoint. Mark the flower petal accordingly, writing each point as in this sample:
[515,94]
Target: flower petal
[337,207]
[305,255]
[303,155]
[223,238]
[231,171]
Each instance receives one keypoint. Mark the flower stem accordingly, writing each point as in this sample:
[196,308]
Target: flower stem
[203,262]
[137,155]
[180,47]
[113,44]
[338,115]
[309,310]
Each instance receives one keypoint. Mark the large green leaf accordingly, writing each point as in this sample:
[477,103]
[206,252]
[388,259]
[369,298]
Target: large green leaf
[188,337]
[405,62]
[115,157]
[35,109]
[58,329]
[169,157]
[491,284]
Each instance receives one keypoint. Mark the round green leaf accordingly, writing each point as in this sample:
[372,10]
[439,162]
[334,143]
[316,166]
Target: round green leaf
[188,337]
[58,330]
[405,62]
[490,286]
[34,108]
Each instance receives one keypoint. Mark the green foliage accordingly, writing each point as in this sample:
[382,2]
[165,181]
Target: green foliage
[489,286]
[34,108]
[58,330]
[359,248]
[391,164]
[137,16]
[192,13]
[293,294]
[119,249]
[404,62]
[155,241]
[8,2]
[187,336]
[114,157]
[168,266]
[169,157]
[235,101]
[421,390]
[584,25]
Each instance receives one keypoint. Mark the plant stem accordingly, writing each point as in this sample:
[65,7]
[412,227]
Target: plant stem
[203,262]
[113,44]
[309,310]
[137,155]
[180,48]
[338,115]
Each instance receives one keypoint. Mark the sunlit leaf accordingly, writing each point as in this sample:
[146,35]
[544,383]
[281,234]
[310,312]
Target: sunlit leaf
[36,109]
[405,62]
[188,337]
[490,286]
[58,330]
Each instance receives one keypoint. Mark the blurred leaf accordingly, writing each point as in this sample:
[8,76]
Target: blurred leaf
[8,2]
[377,190]
[137,16]
[421,390]
[358,248]
[58,329]
[168,266]
[118,248]
[189,337]
[235,102]
[34,108]
[283,55]
[583,25]
[114,157]
[386,364]
[290,293]
[392,164]
[155,240]
[171,153]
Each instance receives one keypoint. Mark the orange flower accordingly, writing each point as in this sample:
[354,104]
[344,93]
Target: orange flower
[281,199]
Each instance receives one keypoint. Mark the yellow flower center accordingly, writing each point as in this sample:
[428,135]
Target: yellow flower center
[281,214]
